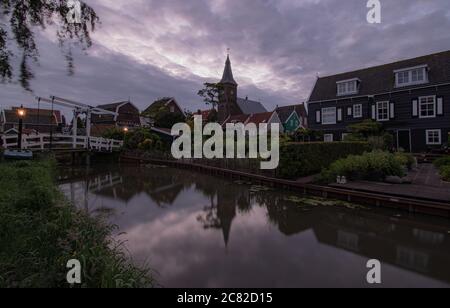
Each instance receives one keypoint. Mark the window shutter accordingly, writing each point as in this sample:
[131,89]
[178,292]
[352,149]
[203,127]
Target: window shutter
[415,108]
[440,106]
[318,116]
[374,113]
[339,115]
[349,111]
[391,110]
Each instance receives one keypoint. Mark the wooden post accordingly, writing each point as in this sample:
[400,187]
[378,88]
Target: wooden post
[74,129]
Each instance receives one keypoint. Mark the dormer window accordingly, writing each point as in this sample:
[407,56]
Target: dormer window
[411,76]
[348,87]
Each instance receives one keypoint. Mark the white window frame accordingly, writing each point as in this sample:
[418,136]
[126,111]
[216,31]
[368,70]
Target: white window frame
[328,138]
[360,114]
[427,136]
[377,111]
[409,72]
[344,85]
[324,110]
[426,103]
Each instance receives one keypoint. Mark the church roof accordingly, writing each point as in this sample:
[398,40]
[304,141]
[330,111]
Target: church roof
[250,107]
[228,73]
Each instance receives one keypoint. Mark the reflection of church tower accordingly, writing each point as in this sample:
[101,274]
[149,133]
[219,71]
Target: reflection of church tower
[226,212]
[228,94]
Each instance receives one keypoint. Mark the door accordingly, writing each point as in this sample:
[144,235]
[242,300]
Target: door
[404,140]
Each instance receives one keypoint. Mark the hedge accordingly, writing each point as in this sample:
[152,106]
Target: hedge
[373,166]
[305,159]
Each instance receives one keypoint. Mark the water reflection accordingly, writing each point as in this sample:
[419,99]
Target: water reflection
[200,231]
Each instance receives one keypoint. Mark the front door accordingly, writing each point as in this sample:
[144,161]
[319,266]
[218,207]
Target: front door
[404,140]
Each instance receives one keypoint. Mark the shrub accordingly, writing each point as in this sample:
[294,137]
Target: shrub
[304,159]
[369,166]
[445,173]
[444,161]
[406,159]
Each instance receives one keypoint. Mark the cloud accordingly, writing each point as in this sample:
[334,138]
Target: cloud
[148,49]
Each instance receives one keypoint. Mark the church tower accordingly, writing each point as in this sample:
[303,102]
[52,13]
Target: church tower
[227,94]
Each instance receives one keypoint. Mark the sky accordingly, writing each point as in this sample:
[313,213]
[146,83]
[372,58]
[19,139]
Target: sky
[147,49]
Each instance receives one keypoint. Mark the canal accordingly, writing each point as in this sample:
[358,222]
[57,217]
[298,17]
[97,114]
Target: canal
[200,231]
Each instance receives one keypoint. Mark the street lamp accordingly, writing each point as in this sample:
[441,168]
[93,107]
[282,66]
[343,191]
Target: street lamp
[125,130]
[21,113]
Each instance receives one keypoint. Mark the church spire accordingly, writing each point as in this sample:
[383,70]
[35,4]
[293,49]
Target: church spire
[227,77]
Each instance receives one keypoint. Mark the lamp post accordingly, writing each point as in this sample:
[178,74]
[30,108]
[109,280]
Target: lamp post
[21,112]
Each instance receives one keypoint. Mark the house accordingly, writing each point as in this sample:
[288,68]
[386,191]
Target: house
[128,116]
[39,120]
[257,119]
[207,115]
[411,98]
[229,103]
[293,117]
[166,104]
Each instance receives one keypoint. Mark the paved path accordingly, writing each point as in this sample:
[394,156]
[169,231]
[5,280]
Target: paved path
[426,183]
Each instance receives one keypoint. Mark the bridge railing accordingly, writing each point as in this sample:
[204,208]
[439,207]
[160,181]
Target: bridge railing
[61,142]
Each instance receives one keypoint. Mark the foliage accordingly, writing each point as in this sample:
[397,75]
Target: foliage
[444,161]
[443,164]
[365,129]
[307,135]
[445,172]
[210,94]
[406,159]
[41,233]
[369,166]
[23,16]
[304,159]
[114,133]
[143,139]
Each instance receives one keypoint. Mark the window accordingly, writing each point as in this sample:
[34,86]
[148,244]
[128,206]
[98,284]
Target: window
[427,107]
[411,76]
[382,111]
[347,87]
[329,116]
[344,136]
[328,138]
[357,111]
[172,109]
[434,137]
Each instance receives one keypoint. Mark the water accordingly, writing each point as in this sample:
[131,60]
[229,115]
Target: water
[202,231]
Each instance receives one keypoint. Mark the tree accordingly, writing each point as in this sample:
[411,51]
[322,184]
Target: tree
[210,94]
[18,20]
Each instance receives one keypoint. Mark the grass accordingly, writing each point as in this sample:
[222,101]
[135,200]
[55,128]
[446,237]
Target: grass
[41,232]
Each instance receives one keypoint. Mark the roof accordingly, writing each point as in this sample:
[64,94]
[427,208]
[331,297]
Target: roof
[240,118]
[381,79]
[160,103]
[249,107]
[205,113]
[227,77]
[285,113]
[44,118]
[260,118]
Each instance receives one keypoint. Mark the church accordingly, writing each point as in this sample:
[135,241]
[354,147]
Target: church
[233,109]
